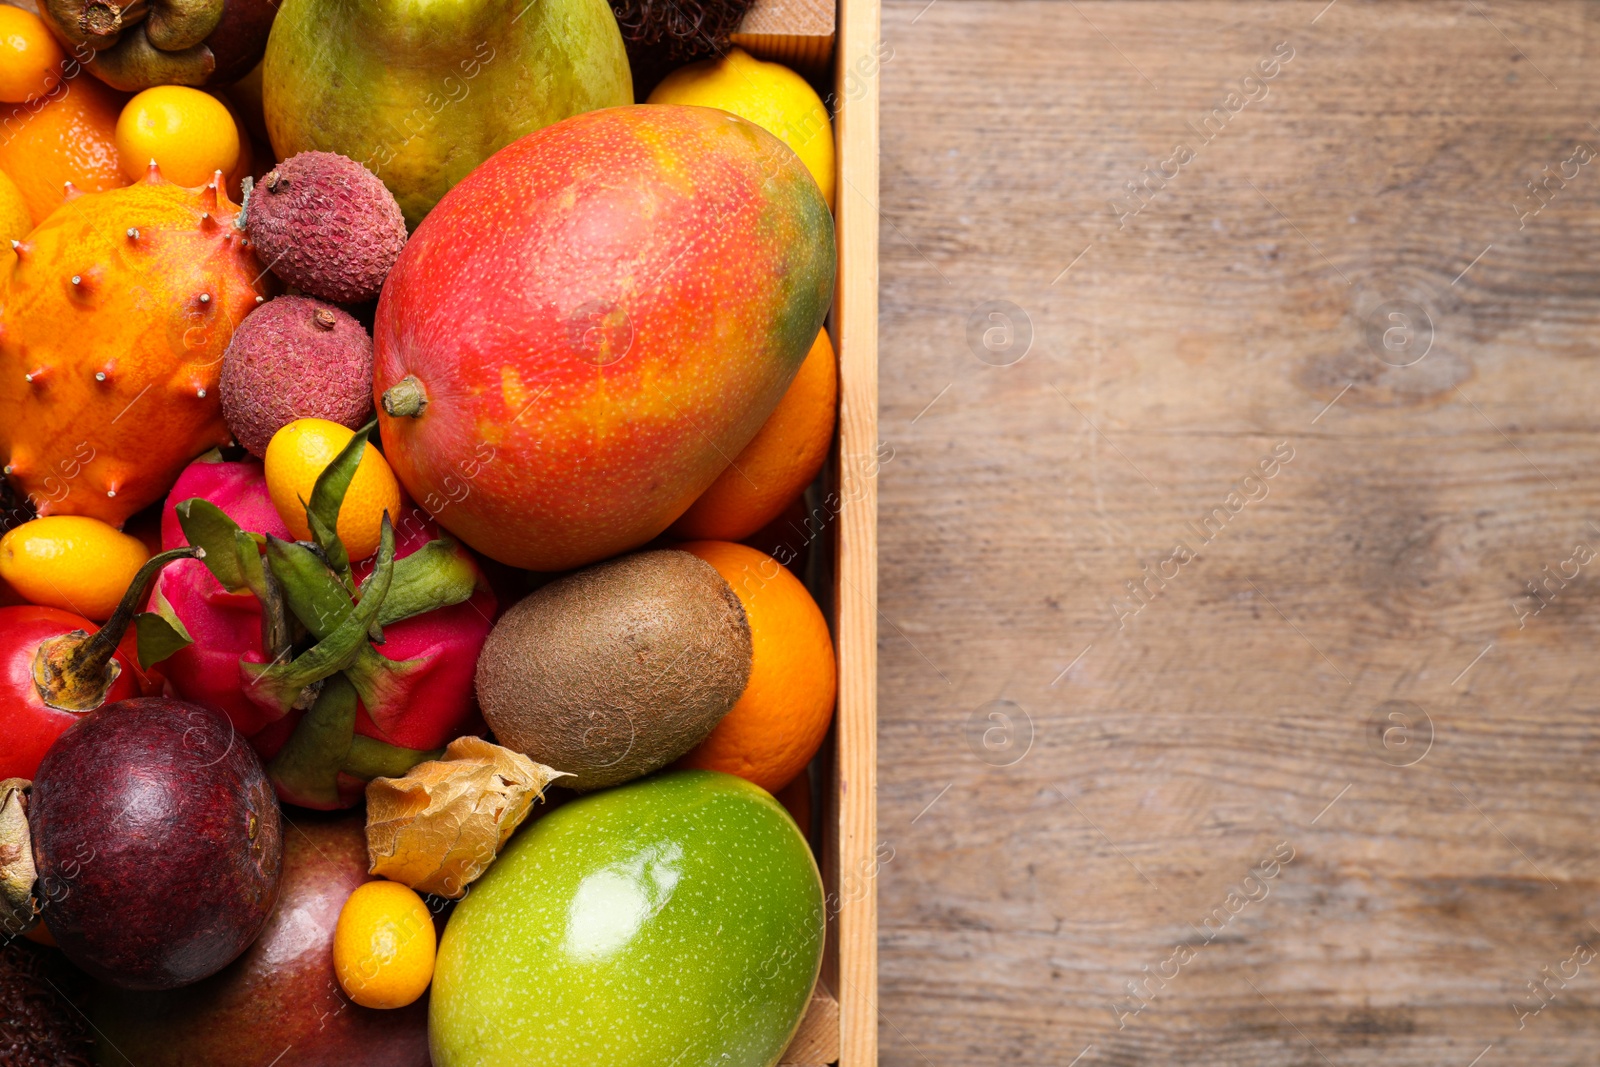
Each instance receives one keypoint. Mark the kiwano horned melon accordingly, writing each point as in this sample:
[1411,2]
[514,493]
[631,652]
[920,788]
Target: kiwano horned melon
[114,317]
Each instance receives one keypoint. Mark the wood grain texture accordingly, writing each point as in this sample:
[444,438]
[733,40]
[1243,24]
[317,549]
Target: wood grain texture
[852,837]
[798,33]
[1084,788]
[807,53]
[812,18]
[816,1043]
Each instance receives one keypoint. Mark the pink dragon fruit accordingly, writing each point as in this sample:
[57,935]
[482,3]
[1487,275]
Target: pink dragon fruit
[418,701]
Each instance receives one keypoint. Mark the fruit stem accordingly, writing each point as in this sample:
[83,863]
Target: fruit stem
[241,221]
[405,397]
[73,672]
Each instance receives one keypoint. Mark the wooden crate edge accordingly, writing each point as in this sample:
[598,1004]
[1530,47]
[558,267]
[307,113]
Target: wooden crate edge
[856,67]
[809,54]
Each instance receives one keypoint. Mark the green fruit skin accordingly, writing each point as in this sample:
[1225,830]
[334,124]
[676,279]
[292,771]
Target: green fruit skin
[421,93]
[676,920]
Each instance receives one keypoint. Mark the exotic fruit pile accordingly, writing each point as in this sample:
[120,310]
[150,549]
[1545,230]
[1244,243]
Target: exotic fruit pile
[406,438]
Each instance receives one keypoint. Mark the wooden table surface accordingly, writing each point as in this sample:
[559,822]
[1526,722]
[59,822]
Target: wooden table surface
[1325,790]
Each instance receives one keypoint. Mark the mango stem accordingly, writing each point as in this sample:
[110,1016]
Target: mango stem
[405,397]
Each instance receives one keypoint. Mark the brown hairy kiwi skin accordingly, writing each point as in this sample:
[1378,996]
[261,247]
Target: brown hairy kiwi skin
[617,670]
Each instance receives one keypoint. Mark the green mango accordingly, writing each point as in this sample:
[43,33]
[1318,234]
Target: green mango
[421,93]
[675,920]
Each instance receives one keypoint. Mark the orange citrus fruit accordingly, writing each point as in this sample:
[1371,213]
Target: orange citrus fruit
[301,451]
[384,945]
[190,134]
[783,714]
[779,462]
[30,59]
[71,562]
[68,135]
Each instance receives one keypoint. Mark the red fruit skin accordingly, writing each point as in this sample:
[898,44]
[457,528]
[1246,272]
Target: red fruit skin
[282,992]
[435,702]
[600,316]
[239,489]
[226,627]
[29,726]
[158,842]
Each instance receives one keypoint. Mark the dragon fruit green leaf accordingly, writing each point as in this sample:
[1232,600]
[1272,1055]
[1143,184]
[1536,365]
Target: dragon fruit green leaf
[158,637]
[307,767]
[312,591]
[208,527]
[327,497]
[435,576]
[279,684]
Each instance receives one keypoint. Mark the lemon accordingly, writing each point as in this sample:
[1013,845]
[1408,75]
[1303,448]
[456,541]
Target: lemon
[768,94]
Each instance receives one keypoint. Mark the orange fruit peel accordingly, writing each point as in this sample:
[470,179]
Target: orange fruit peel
[782,717]
[298,454]
[30,57]
[72,562]
[384,945]
[779,462]
[189,134]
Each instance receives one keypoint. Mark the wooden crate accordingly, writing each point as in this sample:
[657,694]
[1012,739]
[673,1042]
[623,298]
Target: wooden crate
[809,38]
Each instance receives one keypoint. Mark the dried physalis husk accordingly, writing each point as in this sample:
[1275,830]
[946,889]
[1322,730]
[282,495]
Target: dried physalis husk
[19,909]
[440,826]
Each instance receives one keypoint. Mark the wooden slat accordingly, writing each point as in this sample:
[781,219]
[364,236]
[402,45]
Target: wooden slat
[806,53]
[855,325]
[808,18]
[799,33]
[816,1043]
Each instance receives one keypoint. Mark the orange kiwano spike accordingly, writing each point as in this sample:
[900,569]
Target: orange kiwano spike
[778,464]
[113,323]
[66,135]
[783,714]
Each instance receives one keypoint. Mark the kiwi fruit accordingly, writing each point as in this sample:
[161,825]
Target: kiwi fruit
[617,670]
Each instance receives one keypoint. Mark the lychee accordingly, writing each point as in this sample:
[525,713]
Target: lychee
[326,225]
[295,358]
